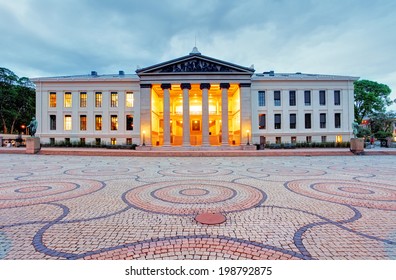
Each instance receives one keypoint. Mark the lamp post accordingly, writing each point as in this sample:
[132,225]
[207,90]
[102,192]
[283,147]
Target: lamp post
[247,133]
[23,127]
[144,138]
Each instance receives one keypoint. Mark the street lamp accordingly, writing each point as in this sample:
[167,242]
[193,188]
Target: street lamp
[247,133]
[23,127]
[144,138]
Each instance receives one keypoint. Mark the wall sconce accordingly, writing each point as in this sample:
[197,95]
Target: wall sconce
[248,136]
[144,138]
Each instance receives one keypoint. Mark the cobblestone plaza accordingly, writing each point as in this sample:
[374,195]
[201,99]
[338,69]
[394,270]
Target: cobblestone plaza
[102,207]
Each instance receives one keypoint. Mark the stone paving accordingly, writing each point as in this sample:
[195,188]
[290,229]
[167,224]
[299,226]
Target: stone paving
[96,207]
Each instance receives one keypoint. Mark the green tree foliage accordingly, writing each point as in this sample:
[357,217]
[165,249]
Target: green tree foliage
[17,101]
[370,97]
[381,123]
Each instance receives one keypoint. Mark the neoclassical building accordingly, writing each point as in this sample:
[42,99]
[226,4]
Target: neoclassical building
[195,102]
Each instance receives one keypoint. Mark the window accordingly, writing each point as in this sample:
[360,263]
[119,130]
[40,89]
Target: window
[322,97]
[83,122]
[293,121]
[98,99]
[322,120]
[129,99]
[98,122]
[97,141]
[277,98]
[68,99]
[129,122]
[114,99]
[82,141]
[292,98]
[52,99]
[262,121]
[113,141]
[307,97]
[294,139]
[307,121]
[308,139]
[129,141]
[337,120]
[277,121]
[52,141]
[68,122]
[67,141]
[114,122]
[83,99]
[52,122]
[261,98]
[324,139]
[337,97]
[339,138]
[278,140]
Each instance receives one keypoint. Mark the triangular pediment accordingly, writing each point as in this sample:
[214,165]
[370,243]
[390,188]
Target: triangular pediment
[195,63]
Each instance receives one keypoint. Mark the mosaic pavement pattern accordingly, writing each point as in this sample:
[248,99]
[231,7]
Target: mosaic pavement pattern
[75,207]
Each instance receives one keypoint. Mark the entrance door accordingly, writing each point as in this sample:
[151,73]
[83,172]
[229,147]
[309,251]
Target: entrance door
[262,142]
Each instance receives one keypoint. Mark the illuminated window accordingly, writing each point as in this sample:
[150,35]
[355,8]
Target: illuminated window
[68,99]
[98,122]
[339,138]
[52,99]
[129,141]
[293,139]
[114,99]
[114,122]
[98,99]
[129,99]
[129,122]
[68,122]
[83,99]
[113,141]
[83,122]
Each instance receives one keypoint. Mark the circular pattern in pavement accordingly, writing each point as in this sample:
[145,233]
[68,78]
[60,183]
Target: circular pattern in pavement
[193,197]
[103,171]
[364,194]
[22,193]
[200,248]
[285,171]
[194,171]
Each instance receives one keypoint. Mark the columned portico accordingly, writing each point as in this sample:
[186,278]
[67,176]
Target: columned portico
[186,113]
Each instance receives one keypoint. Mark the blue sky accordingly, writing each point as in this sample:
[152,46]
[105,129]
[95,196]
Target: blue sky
[344,37]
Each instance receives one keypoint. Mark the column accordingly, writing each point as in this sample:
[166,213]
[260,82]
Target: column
[246,113]
[166,103]
[145,114]
[205,114]
[224,113]
[186,113]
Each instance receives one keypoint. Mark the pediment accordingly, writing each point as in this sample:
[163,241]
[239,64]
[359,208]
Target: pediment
[195,63]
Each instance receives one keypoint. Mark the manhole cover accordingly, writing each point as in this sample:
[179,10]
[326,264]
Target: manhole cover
[210,218]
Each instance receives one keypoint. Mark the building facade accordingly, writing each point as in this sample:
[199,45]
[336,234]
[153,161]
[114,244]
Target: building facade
[195,101]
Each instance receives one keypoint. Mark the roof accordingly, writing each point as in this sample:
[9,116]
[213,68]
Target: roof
[94,76]
[271,75]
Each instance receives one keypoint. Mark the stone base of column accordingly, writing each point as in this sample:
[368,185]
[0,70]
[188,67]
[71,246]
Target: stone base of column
[33,145]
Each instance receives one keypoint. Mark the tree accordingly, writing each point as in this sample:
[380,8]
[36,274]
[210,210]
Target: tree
[382,124]
[370,97]
[17,100]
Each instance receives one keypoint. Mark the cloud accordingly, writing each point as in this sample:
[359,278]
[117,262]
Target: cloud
[348,37]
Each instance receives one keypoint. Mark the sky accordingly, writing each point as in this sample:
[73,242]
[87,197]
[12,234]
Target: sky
[41,38]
